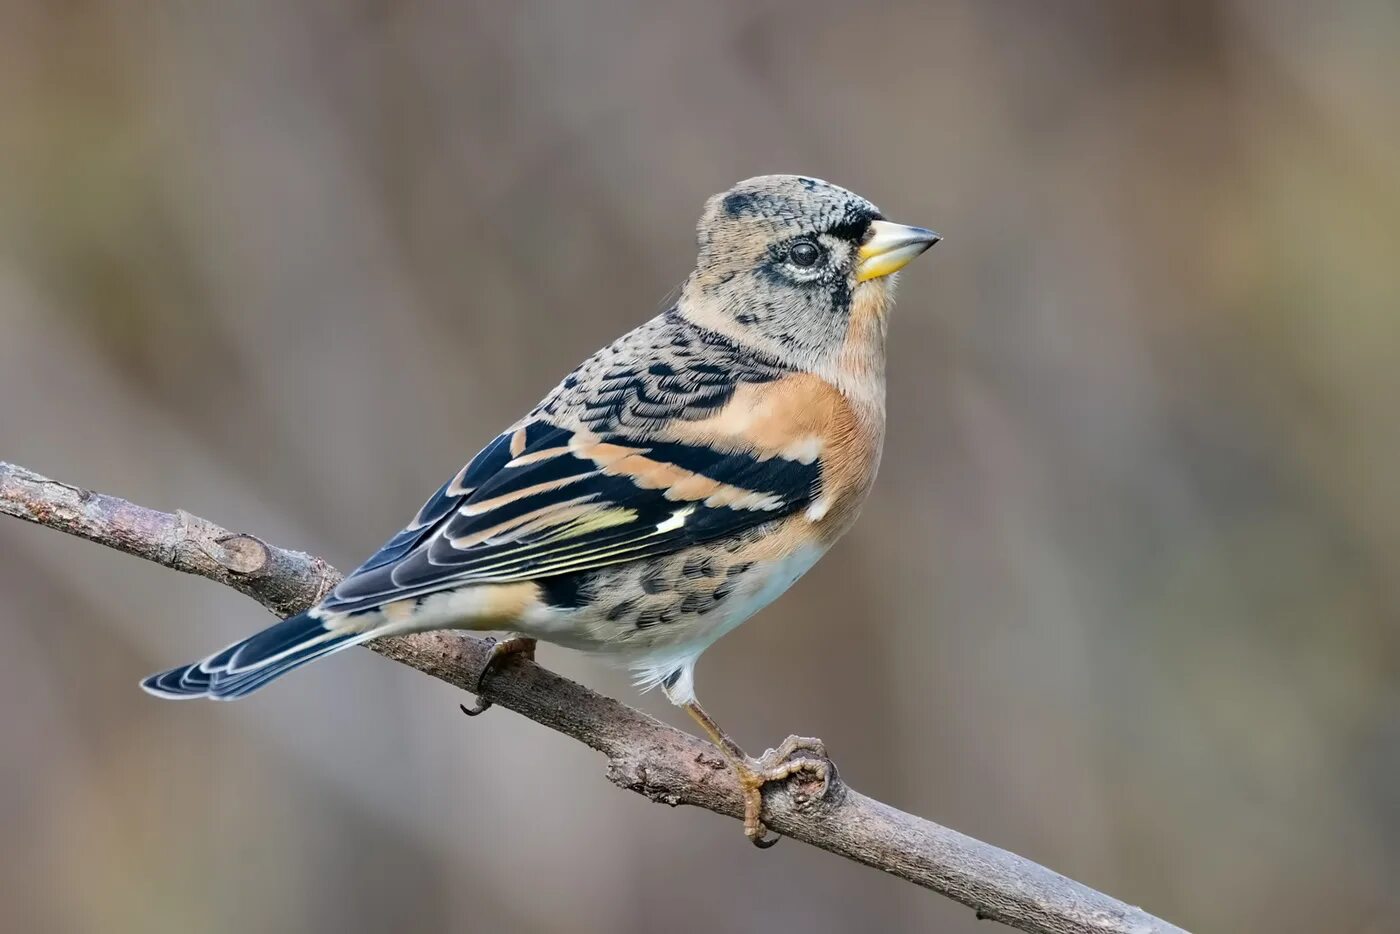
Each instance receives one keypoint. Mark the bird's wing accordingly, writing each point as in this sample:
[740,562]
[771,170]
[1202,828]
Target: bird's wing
[544,499]
[565,501]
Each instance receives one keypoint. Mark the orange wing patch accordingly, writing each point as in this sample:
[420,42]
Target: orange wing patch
[676,483]
[804,418]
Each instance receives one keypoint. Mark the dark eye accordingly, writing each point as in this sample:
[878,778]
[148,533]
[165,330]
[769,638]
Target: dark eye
[804,253]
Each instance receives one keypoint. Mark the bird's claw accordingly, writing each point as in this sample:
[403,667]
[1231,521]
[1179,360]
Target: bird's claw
[777,765]
[502,649]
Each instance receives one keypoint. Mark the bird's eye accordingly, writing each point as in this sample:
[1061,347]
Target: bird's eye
[804,253]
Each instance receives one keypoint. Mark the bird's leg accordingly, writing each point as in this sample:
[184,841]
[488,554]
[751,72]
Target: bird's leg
[500,650]
[775,765]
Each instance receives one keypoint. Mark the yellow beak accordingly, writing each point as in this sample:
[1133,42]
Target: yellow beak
[890,248]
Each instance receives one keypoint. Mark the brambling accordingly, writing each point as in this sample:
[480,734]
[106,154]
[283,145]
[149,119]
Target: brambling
[674,484]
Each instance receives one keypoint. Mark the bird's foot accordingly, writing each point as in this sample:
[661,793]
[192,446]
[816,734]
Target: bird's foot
[793,755]
[500,651]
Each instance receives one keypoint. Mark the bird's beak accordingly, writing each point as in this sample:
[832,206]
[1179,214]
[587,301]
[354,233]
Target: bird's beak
[890,248]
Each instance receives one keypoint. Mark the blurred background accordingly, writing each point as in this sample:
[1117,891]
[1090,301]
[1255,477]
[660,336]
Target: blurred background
[1124,599]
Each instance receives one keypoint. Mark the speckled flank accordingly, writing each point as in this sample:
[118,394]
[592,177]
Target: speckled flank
[660,616]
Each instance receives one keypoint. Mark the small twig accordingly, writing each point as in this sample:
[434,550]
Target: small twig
[644,755]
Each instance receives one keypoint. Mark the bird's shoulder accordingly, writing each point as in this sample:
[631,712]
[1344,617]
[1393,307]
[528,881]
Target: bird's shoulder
[673,380]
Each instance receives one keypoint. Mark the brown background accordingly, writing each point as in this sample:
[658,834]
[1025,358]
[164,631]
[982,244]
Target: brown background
[1124,599]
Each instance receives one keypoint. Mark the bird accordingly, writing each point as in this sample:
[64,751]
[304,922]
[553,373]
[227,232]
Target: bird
[667,489]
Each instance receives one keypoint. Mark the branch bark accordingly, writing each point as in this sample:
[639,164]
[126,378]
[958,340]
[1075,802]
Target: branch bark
[644,755]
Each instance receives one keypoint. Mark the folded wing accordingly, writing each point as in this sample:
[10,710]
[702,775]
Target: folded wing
[543,500]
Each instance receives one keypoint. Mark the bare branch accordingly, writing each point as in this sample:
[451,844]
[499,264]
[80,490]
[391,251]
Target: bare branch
[644,755]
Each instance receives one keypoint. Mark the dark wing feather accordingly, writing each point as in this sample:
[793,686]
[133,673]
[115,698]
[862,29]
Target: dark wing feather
[563,513]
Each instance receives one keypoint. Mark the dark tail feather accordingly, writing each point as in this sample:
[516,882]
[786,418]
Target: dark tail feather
[246,666]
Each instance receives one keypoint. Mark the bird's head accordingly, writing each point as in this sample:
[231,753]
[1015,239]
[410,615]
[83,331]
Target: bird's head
[787,263]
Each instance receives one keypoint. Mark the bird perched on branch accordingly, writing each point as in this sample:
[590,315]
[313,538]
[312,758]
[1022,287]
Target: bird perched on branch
[674,484]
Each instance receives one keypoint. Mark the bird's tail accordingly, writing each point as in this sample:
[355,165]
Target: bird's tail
[246,666]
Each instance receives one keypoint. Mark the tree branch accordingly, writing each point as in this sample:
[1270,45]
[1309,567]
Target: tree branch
[644,755]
